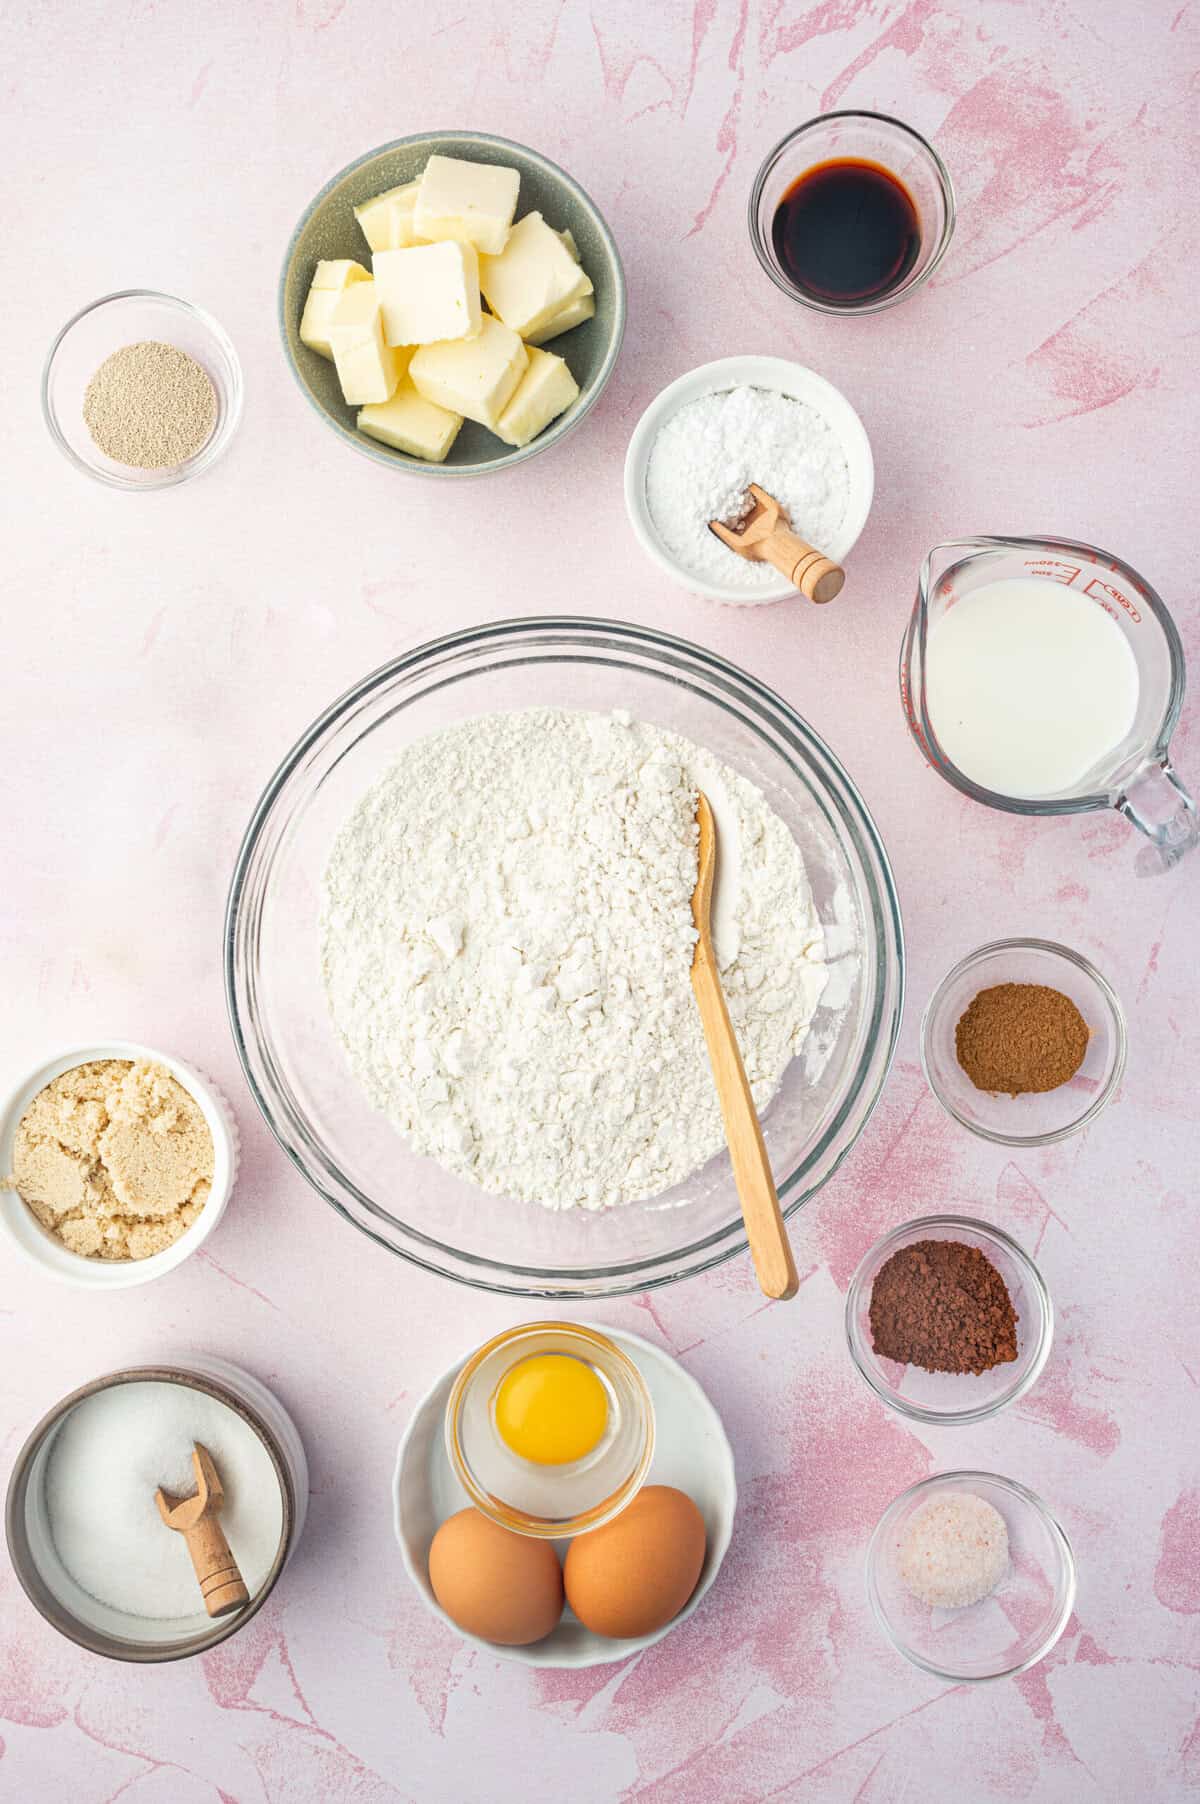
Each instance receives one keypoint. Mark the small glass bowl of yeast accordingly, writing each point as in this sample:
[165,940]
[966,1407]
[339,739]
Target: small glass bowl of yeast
[550,1429]
[115,321]
[1037,1118]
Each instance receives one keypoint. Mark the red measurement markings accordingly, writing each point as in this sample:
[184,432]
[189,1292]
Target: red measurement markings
[1054,570]
[1098,591]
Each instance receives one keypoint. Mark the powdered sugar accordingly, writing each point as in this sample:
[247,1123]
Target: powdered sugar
[507,939]
[705,457]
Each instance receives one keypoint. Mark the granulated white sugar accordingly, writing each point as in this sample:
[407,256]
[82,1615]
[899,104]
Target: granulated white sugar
[108,1459]
[953,1551]
[704,459]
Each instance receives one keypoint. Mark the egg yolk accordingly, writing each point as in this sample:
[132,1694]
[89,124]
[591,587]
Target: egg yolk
[551,1409]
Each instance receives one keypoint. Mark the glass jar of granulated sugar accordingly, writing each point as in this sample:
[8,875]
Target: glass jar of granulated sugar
[84,1532]
[142,391]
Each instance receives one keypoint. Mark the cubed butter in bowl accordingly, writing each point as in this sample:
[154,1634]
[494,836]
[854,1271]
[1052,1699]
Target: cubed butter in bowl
[425,224]
[408,422]
[545,390]
[328,283]
[386,221]
[572,315]
[368,369]
[461,199]
[472,376]
[428,292]
[534,278]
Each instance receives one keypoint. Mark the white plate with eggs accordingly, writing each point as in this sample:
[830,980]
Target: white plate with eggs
[691,1453]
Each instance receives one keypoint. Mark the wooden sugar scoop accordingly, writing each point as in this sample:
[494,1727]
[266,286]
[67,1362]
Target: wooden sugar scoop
[765,1227]
[197,1519]
[765,533]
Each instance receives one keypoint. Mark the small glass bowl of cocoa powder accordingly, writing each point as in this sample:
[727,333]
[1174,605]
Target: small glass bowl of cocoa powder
[950,1397]
[1031,1038]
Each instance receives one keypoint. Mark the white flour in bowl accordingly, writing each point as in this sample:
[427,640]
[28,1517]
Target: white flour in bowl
[507,942]
[704,459]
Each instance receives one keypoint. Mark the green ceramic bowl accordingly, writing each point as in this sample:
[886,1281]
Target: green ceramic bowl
[328,228]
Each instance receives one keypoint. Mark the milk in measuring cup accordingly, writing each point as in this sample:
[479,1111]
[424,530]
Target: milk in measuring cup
[1028,686]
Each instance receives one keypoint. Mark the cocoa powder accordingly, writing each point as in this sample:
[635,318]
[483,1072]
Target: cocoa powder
[1016,1038]
[942,1305]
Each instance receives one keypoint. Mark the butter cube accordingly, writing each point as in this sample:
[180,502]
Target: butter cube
[472,376]
[411,423]
[545,390]
[367,368]
[387,221]
[471,202]
[338,273]
[572,315]
[533,278]
[329,280]
[428,292]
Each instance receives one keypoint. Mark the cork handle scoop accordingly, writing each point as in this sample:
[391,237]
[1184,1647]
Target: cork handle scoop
[765,1226]
[197,1519]
[765,534]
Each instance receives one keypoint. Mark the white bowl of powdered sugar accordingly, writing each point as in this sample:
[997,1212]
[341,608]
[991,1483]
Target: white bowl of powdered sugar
[711,433]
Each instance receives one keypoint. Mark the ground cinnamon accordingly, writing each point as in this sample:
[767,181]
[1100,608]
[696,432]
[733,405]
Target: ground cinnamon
[942,1305]
[1021,1037]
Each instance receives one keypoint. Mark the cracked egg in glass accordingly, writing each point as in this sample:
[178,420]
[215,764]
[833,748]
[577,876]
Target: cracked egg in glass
[550,1429]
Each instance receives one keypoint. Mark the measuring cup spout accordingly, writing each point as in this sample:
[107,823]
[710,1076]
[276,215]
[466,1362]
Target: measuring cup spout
[1172,834]
[944,557]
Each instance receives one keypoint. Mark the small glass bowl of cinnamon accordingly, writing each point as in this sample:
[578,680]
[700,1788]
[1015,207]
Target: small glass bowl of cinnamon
[952,1397]
[1026,1041]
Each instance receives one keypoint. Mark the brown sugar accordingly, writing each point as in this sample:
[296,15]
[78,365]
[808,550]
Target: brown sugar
[1017,1038]
[114,1158]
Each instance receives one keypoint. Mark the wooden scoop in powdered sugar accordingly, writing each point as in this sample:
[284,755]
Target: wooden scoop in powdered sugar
[763,531]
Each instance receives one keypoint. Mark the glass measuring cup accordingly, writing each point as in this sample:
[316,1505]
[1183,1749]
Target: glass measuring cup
[1137,776]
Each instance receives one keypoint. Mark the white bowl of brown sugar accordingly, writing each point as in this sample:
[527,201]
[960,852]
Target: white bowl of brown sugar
[116,1163]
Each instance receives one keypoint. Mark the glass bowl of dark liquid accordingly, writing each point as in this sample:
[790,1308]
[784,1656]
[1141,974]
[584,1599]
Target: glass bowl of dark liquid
[851,212]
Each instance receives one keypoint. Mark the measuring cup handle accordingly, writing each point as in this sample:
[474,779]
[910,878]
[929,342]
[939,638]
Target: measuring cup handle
[1171,836]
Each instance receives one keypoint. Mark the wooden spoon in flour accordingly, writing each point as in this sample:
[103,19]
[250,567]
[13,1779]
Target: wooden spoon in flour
[765,1227]
[764,531]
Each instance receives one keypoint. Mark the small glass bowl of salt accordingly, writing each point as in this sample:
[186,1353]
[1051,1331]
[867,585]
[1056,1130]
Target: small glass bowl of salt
[1013,1592]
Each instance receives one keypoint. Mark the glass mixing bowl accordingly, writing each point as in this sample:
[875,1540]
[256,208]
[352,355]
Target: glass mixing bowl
[299,1074]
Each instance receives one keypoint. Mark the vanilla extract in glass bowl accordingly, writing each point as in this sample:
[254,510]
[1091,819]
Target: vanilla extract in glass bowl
[846,232]
[851,213]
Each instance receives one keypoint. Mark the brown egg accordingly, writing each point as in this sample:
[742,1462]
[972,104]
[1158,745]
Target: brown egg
[493,1583]
[637,1572]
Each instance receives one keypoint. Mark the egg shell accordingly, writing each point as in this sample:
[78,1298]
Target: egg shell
[637,1572]
[503,1587]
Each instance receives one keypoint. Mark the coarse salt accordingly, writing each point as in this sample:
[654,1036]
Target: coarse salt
[704,459]
[954,1551]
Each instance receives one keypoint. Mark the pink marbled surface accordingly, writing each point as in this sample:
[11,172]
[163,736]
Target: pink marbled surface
[171,647]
